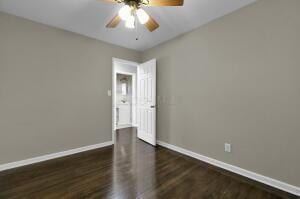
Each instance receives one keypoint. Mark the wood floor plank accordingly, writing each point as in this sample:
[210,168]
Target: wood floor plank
[130,169]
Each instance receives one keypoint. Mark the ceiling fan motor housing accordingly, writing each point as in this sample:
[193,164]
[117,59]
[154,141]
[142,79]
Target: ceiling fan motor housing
[136,3]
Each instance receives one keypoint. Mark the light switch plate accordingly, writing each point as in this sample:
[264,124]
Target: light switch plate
[227,147]
[109,93]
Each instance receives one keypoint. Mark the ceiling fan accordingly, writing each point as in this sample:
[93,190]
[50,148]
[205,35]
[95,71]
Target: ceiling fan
[132,9]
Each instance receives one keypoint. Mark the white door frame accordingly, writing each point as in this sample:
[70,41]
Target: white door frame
[113,92]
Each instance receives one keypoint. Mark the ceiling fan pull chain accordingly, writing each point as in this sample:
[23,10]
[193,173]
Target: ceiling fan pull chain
[137,30]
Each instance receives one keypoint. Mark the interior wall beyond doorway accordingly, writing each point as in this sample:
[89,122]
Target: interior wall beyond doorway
[127,68]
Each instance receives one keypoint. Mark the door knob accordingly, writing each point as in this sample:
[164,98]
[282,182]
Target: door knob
[152,106]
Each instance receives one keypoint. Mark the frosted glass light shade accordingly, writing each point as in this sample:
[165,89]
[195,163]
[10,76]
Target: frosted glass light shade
[142,16]
[125,12]
[130,22]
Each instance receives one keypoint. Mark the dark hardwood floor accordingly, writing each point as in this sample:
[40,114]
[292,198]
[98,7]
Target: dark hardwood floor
[131,169]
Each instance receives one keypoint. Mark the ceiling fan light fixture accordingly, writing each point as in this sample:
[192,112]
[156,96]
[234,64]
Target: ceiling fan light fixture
[132,11]
[125,12]
[130,22]
[142,16]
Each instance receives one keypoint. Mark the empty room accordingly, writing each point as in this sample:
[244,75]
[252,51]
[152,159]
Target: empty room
[147,99]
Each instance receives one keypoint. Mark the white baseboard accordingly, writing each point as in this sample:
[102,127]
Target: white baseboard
[249,174]
[29,161]
[123,126]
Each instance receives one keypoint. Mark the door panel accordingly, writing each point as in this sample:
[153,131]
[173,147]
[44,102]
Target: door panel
[147,101]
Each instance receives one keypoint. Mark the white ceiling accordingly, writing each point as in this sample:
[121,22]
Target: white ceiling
[89,17]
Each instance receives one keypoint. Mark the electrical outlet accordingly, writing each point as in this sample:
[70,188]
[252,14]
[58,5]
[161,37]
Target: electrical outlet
[227,148]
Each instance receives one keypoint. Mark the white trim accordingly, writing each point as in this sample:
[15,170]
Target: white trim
[123,61]
[51,156]
[124,126]
[125,73]
[249,174]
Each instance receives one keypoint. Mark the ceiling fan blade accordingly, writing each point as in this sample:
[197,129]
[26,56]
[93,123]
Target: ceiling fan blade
[114,22]
[151,24]
[166,2]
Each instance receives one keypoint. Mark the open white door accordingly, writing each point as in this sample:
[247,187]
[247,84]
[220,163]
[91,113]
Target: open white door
[146,101]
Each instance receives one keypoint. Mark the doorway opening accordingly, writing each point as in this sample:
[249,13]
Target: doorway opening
[124,96]
[124,108]
[134,98]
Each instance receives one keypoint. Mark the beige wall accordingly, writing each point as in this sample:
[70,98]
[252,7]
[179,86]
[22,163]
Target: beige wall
[53,89]
[236,80]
